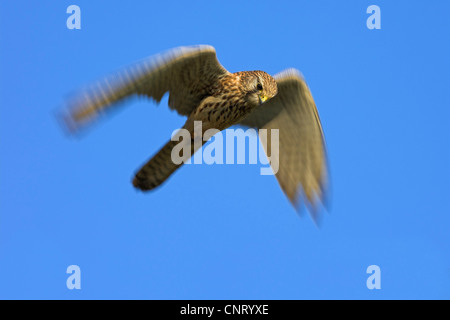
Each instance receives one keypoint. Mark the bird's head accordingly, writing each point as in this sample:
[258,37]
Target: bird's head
[260,87]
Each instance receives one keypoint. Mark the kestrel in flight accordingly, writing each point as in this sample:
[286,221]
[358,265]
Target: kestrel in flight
[203,90]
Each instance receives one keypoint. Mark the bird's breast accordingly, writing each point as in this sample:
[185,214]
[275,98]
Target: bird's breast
[223,112]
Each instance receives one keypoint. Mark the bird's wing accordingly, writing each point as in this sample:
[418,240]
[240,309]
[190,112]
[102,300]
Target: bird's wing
[302,167]
[185,72]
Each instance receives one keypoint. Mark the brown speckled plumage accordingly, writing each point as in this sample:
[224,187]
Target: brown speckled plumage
[201,89]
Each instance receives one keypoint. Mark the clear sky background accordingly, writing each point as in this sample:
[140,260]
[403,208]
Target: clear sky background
[225,231]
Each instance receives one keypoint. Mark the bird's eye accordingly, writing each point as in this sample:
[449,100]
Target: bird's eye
[259,86]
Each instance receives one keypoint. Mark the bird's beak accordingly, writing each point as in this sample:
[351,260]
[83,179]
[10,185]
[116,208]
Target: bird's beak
[262,99]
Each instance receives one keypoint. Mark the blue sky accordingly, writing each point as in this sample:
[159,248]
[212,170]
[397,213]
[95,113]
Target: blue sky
[225,231]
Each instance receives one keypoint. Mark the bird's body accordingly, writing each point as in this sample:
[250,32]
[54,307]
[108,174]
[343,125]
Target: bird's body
[228,102]
[226,105]
[205,92]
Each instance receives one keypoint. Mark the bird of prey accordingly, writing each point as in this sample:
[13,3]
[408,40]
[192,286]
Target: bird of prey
[202,89]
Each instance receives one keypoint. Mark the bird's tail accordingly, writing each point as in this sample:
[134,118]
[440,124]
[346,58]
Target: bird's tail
[164,163]
[157,169]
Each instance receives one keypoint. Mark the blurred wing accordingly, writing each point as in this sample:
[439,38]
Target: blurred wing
[302,170]
[187,73]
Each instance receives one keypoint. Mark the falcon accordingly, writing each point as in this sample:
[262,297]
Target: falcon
[202,89]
